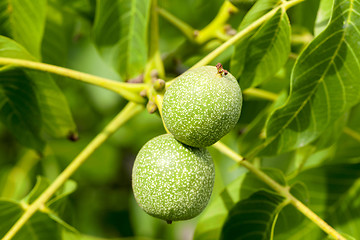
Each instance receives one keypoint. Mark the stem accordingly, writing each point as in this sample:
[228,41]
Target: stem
[18,173]
[185,28]
[284,191]
[127,113]
[216,28]
[158,101]
[260,93]
[127,90]
[155,61]
[354,134]
[211,56]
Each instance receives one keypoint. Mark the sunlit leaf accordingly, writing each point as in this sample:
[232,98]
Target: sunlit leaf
[260,56]
[324,83]
[323,16]
[120,33]
[24,21]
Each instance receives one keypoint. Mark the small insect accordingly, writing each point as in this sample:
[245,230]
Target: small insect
[221,70]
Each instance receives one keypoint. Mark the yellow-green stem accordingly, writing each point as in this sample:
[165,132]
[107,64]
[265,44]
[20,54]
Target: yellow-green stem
[216,52]
[18,173]
[282,190]
[185,28]
[127,90]
[355,135]
[127,113]
[260,93]
[211,56]
[159,101]
[216,28]
[155,61]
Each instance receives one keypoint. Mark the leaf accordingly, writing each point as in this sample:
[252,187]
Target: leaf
[24,22]
[304,14]
[348,147]
[56,115]
[42,184]
[4,18]
[252,218]
[213,218]
[57,35]
[289,217]
[24,87]
[323,16]
[19,109]
[39,226]
[259,57]
[324,84]
[195,13]
[334,195]
[252,136]
[124,44]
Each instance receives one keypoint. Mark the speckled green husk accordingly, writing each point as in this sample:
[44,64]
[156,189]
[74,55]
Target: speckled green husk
[172,181]
[202,106]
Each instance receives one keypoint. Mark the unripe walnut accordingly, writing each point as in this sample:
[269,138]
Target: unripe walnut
[202,106]
[172,181]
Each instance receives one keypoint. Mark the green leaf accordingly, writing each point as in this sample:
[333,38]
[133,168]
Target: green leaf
[39,226]
[57,35]
[334,195]
[323,16]
[19,109]
[43,183]
[56,115]
[252,218]
[28,87]
[5,10]
[197,14]
[303,15]
[348,147]
[324,83]
[24,22]
[259,57]
[211,221]
[252,136]
[289,217]
[120,34]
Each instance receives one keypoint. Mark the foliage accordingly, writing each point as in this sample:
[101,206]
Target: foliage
[297,140]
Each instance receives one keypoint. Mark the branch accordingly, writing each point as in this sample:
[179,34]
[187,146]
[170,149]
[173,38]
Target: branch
[185,28]
[130,110]
[211,56]
[127,90]
[216,28]
[352,133]
[154,59]
[237,37]
[284,191]
[260,93]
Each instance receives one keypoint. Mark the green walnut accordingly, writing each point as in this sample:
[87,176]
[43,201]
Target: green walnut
[202,105]
[172,181]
